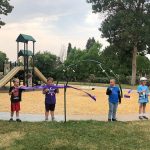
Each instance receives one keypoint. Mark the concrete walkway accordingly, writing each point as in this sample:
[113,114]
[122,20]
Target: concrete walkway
[59,118]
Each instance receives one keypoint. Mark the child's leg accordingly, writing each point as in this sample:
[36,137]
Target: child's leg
[144,108]
[17,114]
[115,111]
[140,109]
[46,115]
[17,108]
[110,112]
[47,108]
[11,114]
[52,109]
[144,111]
[52,115]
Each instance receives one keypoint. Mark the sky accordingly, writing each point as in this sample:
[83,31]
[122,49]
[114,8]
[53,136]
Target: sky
[52,23]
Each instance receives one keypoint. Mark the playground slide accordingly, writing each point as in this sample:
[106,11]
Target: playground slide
[40,75]
[9,76]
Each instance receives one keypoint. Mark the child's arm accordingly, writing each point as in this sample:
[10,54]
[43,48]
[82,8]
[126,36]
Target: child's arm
[11,90]
[45,91]
[108,92]
[119,96]
[56,90]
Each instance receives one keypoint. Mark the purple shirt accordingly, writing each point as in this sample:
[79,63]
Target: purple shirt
[50,96]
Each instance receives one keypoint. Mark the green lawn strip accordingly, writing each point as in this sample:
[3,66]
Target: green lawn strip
[84,135]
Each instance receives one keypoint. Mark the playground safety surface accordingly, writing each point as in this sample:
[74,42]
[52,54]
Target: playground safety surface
[79,106]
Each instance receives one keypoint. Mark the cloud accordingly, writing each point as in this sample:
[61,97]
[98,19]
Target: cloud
[51,23]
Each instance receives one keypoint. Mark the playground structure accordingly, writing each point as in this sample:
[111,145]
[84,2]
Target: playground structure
[25,63]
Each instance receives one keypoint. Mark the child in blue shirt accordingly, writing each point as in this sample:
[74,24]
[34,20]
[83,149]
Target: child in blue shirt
[114,99]
[143,92]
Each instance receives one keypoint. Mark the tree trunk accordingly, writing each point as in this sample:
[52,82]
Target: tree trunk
[133,80]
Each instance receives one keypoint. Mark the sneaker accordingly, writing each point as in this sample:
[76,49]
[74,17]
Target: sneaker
[109,120]
[114,119]
[11,119]
[18,120]
[141,118]
[144,117]
[46,119]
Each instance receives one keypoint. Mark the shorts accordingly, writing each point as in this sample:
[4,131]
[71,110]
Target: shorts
[144,103]
[15,106]
[49,107]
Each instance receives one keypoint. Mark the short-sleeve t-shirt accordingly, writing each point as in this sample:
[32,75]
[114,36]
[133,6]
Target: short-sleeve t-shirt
[16,96]
[114,96]
[50,96]
[143,96]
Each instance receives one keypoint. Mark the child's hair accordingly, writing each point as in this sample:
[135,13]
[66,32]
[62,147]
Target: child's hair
[113,80]
[50,79]
[15,79]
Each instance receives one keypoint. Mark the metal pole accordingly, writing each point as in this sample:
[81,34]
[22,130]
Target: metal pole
[65,106]
[17,52]
[24,65]
[10,69]
[33,76]
[27,63]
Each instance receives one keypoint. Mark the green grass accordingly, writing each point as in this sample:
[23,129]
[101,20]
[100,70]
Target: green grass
[79,135]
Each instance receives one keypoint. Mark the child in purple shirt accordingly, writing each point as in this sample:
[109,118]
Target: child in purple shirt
[50,99]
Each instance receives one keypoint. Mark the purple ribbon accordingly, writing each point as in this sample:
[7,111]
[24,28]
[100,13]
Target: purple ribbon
[127,95]
[129,91]
[57,87]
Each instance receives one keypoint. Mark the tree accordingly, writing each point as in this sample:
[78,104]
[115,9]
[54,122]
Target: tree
[143,66]
[126,26]
[69,49]
[5,9]
[3,58]
[48,63]
[83,69]
[90,43]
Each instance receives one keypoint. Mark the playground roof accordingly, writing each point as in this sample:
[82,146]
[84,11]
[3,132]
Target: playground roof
[25,53]
[25,38]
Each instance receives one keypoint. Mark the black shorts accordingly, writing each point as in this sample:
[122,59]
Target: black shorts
[49,107]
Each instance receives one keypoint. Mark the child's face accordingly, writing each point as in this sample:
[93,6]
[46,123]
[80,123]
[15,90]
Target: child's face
[144,82]
[49,82]
[112,82]
[16,83]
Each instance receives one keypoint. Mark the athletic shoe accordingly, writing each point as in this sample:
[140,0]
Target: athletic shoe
[18,120]
[141,118]
[46,119]
[109,120]
[114,119]
[11,119]
[144,117]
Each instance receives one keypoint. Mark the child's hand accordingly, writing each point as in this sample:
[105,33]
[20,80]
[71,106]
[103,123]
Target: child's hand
[46,90]
[13,91]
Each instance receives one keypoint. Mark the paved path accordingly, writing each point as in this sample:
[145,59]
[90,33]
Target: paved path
[40,117]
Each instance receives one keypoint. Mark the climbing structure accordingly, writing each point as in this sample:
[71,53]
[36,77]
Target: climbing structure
[25,62]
